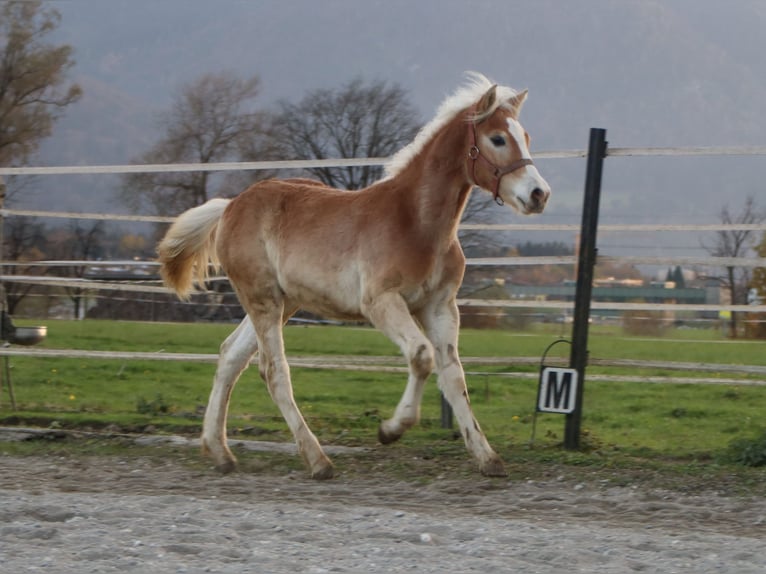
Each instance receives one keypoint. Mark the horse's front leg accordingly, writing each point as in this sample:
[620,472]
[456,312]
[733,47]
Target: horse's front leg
[390,314]
[236,352]
[407,413]
[441,324]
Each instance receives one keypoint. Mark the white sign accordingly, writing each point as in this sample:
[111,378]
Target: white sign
[558,390]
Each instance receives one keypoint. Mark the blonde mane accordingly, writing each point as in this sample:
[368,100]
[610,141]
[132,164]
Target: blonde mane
[469,93]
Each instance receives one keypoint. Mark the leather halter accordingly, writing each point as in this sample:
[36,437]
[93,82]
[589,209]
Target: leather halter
[474,154]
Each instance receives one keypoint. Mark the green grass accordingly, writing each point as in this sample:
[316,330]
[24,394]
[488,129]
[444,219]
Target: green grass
[644,421]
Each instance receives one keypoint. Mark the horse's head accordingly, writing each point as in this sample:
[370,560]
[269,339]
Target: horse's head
[498,156]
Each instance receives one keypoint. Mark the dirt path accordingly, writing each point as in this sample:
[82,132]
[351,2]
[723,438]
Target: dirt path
[135,514]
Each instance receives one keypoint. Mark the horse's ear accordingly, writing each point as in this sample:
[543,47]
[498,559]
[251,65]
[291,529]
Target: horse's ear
[517,101]
[487,100]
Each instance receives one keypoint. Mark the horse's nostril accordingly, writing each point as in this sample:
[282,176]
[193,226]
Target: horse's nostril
[537,195]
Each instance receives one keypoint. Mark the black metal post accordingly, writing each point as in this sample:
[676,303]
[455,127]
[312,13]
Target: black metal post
[585,264]
[446,413]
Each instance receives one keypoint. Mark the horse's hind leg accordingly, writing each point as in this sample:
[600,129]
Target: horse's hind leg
[235,355]
[276,373]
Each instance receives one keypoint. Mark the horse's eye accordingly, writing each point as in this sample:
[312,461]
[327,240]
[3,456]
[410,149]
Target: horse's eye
[497,141]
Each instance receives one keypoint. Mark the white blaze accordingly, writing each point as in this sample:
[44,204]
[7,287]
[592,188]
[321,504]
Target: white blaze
[528,178]
[517,132]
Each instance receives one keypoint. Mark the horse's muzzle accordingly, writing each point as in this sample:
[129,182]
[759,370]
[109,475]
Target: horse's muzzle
[537,200]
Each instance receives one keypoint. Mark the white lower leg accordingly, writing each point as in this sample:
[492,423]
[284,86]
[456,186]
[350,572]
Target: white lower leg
[407,413]
[236,352]
[452,384]
[277,376]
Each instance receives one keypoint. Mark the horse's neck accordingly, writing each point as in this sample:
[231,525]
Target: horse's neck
[437,183]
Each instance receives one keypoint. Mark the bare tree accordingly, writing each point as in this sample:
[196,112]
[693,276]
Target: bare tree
[81,243]
[736,243]
[756,325]
[480,209]
[22,239]
[357,120]
[758,281]
[211,120]
[33,95]
[32,78]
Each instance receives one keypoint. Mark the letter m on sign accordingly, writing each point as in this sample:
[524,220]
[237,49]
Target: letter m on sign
[558,390]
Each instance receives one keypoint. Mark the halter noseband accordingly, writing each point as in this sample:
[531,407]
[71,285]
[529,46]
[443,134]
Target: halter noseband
[474,153]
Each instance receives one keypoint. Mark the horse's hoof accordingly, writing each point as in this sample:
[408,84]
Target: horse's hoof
[226,467]
[324,473]
[493,467]
[386,437]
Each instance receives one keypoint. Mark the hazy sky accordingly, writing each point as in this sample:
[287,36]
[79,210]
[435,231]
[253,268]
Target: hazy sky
[653,73]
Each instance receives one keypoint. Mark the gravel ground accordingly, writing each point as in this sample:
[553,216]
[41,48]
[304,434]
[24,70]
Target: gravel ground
[135,514]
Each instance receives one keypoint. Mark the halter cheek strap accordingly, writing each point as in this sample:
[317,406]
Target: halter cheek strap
[474,154]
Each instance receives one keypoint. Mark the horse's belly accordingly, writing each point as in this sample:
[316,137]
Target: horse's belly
[330,307]
[336,300]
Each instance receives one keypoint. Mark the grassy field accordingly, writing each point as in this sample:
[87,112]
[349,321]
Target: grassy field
[684,422]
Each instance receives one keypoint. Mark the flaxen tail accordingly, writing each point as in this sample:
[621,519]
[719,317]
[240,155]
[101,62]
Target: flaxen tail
[188,248]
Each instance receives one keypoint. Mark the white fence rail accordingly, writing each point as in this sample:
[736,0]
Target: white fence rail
[380,364]
[133,286]
[395,365]
[362,162]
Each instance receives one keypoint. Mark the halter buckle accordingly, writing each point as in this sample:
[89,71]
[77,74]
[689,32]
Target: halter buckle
[474,152]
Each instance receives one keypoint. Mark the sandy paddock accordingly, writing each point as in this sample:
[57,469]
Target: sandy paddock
[139,514]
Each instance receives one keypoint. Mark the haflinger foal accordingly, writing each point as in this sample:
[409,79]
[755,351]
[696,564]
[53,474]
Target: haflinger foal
[388,254]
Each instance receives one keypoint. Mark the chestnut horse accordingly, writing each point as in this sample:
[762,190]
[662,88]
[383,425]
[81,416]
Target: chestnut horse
[388,254]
